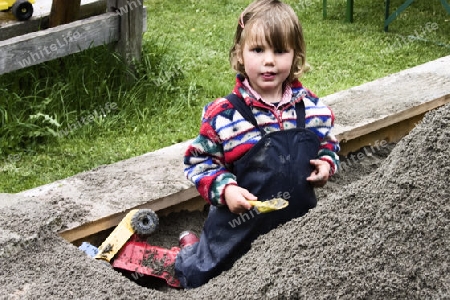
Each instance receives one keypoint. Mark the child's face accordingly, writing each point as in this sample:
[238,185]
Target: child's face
[266,68]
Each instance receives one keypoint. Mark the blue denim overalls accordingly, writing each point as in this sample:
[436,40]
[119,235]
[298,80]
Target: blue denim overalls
[276,166]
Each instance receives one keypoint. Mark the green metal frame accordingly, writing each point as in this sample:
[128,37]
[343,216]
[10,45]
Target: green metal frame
[348,12]
[389,18]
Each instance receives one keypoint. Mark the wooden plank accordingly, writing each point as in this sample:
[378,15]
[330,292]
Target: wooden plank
[131,14]
[97,238]
[392,119]
[13,29]
[135,33]
[194,204]
[35,48]
[107,222]
[390,134]
[63,12]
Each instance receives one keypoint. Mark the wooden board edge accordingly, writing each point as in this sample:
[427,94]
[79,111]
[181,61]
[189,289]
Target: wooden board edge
[58,42]
[41,22]
[393,119]
[107,222]
[377,140]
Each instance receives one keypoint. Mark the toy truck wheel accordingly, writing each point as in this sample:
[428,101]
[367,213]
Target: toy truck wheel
[22,10]
[144,222]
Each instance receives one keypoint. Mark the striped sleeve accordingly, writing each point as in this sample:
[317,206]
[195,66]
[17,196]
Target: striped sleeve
[320,119]
[204,164]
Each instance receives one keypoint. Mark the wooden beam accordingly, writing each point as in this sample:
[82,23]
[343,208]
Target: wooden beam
[187,199]
[35,48]
[97,238]
[390,128]
[131,14]
[389,134]
[124,24]
[63,12]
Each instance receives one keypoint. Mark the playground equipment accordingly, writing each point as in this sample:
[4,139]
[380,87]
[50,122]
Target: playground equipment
[21,9]
[128,251]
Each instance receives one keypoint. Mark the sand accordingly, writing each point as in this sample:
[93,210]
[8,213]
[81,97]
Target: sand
[382,237]
[380,231]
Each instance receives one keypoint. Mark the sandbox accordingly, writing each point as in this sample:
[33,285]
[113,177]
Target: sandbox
[379,230]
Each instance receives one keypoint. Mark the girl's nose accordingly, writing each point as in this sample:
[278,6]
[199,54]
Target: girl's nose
[269,57]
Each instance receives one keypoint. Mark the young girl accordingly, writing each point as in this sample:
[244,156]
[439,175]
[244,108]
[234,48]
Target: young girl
[270,138]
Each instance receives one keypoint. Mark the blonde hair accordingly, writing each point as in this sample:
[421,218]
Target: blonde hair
[278,24]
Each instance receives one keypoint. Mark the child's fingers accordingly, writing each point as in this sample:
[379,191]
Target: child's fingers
[317,180]
[240,206]
[319,176]
[247,195]
[236,198]
[246,205]
[316,162]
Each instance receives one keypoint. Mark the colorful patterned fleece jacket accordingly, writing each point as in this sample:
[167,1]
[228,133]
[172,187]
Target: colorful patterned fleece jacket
[225,136]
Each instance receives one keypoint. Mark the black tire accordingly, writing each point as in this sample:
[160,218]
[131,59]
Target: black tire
[22,10]
[144,222]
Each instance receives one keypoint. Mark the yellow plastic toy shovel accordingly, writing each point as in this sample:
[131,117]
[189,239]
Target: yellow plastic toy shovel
[269,205]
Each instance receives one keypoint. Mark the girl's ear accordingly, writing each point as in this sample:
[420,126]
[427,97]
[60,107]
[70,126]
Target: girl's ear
[240,58]
[239,55]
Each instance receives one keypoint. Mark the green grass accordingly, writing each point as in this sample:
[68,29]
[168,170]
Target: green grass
[185,65]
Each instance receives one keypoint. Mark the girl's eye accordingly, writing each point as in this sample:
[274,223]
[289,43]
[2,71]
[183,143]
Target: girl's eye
[281,51]
[257,50]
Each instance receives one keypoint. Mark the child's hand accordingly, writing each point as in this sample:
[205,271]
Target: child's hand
[236,199]
[319,176]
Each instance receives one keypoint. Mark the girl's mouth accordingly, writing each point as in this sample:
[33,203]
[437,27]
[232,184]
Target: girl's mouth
[268,75]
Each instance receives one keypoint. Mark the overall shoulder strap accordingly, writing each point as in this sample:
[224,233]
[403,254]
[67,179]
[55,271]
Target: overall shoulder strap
[244,110]
[300,111]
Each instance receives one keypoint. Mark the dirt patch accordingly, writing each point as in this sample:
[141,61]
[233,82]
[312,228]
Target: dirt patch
[380,231]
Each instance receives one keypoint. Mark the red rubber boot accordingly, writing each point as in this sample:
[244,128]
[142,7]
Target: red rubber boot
[187,238]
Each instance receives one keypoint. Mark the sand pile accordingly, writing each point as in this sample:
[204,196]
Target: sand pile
[381,237]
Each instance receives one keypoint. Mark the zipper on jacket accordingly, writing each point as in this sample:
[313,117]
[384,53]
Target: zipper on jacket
[278,113]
